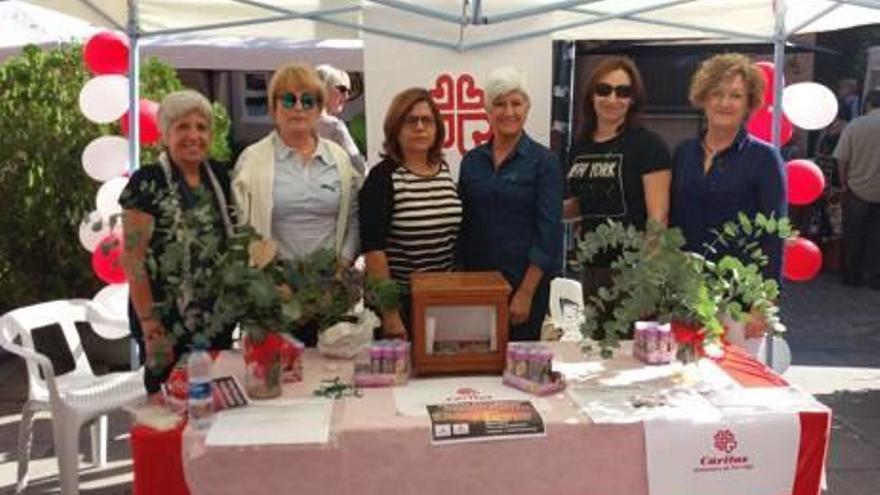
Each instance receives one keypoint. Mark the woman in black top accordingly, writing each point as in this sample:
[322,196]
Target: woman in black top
[619,170]
[176,182]
[409,211]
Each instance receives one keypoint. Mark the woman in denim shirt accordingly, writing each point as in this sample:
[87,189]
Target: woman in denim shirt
[511,192]
[725,171]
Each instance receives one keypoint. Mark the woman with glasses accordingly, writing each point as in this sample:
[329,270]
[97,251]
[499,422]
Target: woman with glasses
[511,190]
[724,171]
[337,84]
[294,187]
[409,206]
[618,170]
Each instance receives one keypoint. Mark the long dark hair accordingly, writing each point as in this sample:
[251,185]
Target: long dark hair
[633,119]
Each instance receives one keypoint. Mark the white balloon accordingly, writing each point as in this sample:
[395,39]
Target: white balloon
[106,157]
[781,352]
[104,99]
[809,105]
[92,229]
[108,313]
[107,200]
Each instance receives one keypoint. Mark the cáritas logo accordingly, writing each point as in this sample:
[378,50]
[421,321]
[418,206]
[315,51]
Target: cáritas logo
[725,443]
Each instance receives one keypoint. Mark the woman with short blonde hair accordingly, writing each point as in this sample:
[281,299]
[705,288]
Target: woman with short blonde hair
[295,187]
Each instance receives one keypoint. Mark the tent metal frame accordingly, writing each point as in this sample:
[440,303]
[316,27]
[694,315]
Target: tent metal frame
[472,14]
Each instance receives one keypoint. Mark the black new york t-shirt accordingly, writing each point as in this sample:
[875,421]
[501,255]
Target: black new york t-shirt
[606,177]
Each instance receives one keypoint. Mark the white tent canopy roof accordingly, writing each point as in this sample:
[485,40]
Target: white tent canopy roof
[23,23]
[572,19]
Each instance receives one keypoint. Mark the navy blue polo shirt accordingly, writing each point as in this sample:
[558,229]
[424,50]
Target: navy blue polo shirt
[513,216]
[747,177]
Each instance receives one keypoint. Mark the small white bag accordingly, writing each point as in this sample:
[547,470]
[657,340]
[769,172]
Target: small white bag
[345,340]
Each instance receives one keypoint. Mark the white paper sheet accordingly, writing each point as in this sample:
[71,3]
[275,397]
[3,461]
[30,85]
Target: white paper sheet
[414,398]
[285,421]
[614,404]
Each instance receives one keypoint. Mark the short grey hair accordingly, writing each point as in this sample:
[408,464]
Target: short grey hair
[502,81]
[178,104]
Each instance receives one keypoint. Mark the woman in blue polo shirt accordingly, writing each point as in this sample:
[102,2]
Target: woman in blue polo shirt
[725,171]
[511,193]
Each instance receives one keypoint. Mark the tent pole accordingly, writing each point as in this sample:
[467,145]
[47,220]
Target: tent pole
[779,73]
[134,133]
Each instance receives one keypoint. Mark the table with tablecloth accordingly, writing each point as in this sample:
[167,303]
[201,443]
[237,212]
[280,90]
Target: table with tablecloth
[373,449]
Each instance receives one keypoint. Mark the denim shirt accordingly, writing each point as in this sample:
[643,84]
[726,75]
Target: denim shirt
[747,177]
[513,216]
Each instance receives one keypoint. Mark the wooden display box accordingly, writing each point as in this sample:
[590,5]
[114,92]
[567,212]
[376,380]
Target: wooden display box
[459,322]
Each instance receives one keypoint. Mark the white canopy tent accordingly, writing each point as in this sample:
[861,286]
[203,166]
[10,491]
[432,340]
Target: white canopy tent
[770,21]
[23,24]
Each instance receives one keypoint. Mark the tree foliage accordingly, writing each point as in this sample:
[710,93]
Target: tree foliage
[45,191]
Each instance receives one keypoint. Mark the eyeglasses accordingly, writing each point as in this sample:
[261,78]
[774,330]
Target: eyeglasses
[622,91]
[414,120]
[307,101]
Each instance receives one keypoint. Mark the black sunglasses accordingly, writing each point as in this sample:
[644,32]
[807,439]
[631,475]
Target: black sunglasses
[307,101]
[622,91]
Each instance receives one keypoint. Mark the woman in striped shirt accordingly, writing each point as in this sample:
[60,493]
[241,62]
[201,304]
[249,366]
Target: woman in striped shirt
[410,211]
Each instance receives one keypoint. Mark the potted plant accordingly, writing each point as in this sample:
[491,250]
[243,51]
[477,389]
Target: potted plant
[214,284]
[653,277]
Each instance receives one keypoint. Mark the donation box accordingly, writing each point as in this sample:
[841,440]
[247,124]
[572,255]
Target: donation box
[459,322]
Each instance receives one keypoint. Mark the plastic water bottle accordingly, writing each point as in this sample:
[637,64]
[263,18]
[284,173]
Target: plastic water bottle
[200,405]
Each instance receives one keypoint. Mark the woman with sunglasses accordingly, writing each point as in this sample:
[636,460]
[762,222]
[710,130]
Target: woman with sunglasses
[337,85]
[618,170]
[511,190]
[410,211]
[724,171]
[294,187]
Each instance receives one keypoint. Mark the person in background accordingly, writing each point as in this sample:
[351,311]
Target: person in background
[295,187]
[848,98]
[183,171]
[410,211]
[330,125]
[618,170]
[725,171]
[858,158]
[511,192]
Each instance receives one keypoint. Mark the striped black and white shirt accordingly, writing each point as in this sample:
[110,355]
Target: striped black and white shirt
[415,219]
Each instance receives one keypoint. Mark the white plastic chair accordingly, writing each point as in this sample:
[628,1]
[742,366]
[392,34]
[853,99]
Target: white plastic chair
[74,399]
[567,307]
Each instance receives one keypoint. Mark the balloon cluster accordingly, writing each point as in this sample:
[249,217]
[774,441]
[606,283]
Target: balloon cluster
[105,99]
[810,106]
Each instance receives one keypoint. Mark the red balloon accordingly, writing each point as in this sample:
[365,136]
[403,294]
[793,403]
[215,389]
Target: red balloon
[803,259]
[106,53]
[768,73]
[760,125]
[805,182]
[106,259]
[149,121]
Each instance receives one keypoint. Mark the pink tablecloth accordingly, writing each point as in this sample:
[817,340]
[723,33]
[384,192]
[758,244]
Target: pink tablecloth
[375,451]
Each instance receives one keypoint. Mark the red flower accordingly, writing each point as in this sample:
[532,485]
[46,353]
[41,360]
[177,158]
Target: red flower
[263,353]
[687,334]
